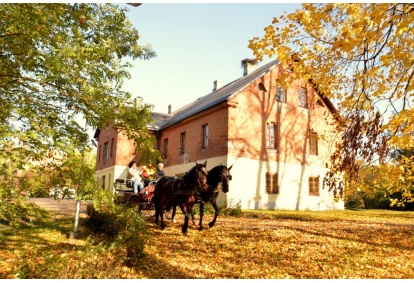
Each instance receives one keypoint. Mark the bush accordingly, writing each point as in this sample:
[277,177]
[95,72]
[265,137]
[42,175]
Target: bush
[122,225]
[208,209]
[229,208]
[354,201]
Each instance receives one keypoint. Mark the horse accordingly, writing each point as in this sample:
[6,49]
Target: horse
[171,191]
[218,177]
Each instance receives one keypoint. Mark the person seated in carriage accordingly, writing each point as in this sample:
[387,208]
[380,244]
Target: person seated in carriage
[160,171]
[148,174]
[133,179]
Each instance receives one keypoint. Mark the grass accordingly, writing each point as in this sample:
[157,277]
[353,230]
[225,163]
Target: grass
[264,244]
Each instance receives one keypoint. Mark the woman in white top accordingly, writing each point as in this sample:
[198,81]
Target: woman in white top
[134,178]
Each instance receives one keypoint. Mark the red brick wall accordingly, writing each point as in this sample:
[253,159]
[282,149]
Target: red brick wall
[123,149]
[217,120]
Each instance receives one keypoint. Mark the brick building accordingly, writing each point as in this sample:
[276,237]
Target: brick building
[272,136]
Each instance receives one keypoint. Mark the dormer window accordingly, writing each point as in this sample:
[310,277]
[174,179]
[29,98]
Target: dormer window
[302,97]
[280,94]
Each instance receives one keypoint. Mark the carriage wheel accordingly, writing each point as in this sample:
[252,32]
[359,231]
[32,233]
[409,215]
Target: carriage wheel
[134,201]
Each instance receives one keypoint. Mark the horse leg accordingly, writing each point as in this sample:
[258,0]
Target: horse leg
[216,213]
[173,214]
[192,216]
[161,214]
[162,218]
[157,213]
[186,218]
[201,216]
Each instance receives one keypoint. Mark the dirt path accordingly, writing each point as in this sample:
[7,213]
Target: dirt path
[64,206]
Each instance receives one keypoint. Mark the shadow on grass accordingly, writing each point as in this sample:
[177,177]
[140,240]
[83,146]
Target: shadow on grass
[43,251]
[354,209]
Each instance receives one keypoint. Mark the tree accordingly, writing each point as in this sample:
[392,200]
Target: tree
[361,56]
[59,63]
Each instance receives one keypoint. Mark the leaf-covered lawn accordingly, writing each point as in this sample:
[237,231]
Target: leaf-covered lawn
[277,244]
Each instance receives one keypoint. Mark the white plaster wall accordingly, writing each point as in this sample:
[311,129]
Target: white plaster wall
[182,168]
[249,186]
[115,172]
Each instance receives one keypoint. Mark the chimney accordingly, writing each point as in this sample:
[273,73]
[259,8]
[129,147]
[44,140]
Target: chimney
[249,65]
[169,109]
[217,85]
[138,102]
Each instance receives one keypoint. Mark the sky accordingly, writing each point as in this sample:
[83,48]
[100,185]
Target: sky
[196,44]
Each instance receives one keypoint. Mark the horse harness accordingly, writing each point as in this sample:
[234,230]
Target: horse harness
[185,183]
[197,192]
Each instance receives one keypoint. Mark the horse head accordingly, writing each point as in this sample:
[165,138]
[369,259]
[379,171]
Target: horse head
[201,175]
[225,178]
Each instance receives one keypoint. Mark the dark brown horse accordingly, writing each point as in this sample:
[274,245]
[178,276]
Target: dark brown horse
[170,192]
[217,178]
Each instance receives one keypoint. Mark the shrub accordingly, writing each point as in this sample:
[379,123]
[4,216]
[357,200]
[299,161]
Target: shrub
[208,209]
[354,201]
[229,208]
[122,225]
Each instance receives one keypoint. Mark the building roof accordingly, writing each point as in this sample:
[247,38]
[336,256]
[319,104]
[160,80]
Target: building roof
[216,97]
[159,120]
[162,121]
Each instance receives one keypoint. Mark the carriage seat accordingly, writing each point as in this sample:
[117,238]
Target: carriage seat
[120,185]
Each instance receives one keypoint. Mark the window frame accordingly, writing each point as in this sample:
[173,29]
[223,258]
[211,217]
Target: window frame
[112,148]
[272,127]
[99,153]
[313,143]
[181,148]
[314,185]
[204,136]
[278,95]
[105,152]
[272,186]
[302,97]
[165,148]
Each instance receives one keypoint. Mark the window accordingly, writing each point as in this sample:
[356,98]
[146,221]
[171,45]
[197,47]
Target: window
[105,152]
[271,135]
[103,182]
[182,143]
[165,148]
[271,183]
[280,94]
[314,186]
[302,97]
[112,147]
[204,142]
[313,143]
[99,153]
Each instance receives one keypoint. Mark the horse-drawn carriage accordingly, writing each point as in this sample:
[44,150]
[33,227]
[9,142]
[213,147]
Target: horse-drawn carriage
[161,198]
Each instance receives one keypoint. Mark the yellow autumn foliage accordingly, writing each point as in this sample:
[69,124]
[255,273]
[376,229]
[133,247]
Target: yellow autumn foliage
[360,56]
